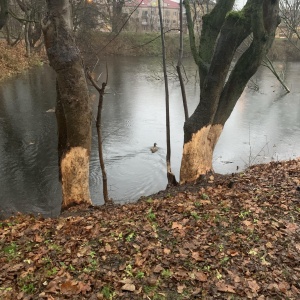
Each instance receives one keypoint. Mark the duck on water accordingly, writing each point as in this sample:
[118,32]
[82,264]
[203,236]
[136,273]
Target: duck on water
[154,148]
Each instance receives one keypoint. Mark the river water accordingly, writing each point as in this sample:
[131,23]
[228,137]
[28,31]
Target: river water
[264,126]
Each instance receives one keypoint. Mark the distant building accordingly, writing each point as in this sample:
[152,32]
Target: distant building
[145,16]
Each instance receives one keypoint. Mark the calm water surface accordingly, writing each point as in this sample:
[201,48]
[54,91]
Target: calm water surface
[264,126]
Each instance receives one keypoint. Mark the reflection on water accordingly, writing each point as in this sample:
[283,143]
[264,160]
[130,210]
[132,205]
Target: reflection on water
[263,126]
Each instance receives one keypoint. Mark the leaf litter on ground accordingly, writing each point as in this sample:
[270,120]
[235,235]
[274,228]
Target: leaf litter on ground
[209,240]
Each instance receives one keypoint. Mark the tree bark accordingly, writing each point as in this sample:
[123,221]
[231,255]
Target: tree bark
[27,43]
[73,109]
[218,94]
[179,63]
[3,12]
[117,21]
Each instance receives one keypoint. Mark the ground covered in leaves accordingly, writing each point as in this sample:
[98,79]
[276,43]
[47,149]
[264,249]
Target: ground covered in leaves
[233,237]
[14,61]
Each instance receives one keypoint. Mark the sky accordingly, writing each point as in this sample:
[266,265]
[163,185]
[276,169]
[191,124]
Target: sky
[240,3]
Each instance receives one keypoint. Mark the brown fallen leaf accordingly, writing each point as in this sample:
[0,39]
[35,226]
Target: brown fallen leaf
[253,286]
[128,287]
[84,287]
[176,225]
[167,251]
[38,238]
[157,269]
[16,268]
[247,223]
[196,291]
[126,280]
[200,276]
[269,245]
[139,261]
[232,252]
[107,247]
[69,288]
[283,286]
[52,287]
[291,227]
[223,287]
[180,288]
[196,256]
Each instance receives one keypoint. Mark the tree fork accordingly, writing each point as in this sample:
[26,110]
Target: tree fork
[218,96]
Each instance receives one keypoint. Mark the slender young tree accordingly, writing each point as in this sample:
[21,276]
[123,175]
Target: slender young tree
[222,33]
[269,64]
[170,175]
[73,108]
[101,91]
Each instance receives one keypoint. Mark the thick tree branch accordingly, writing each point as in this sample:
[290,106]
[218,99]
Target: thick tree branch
[212,24]
[190,23]
[263,36]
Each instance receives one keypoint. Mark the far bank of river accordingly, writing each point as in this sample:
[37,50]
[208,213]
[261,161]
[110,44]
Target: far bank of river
[149,44]
[13,60]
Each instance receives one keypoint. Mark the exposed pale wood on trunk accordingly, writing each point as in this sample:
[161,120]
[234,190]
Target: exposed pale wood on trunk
[198,153]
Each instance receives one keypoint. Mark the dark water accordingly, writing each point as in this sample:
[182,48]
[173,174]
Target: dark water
[264,126]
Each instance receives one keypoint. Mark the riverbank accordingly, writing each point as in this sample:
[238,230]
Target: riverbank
[130,44]
[13,60]
[228,237]
[149,44]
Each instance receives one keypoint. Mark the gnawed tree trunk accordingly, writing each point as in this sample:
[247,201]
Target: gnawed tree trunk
[73,110]
[223,32]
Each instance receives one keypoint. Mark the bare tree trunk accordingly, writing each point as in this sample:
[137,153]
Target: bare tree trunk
[179,63]
[101,92]
[117,21]
[27,43]
[73,103]
[7,31]
[170,175]
[3,12]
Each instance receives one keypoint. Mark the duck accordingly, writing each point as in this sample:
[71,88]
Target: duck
[154,148]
